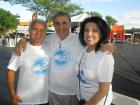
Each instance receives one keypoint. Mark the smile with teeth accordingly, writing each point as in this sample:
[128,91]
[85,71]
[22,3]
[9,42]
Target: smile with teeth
[89,39]
[37,36]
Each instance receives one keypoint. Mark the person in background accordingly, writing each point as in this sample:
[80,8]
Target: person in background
[32,87]
[95,68]
[64,50]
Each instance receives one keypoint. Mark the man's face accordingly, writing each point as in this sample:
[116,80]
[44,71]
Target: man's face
[62,26]
[37,33]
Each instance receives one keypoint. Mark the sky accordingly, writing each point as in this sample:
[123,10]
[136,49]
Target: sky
[126,12]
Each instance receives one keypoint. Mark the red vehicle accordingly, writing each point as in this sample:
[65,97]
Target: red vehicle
[117,33]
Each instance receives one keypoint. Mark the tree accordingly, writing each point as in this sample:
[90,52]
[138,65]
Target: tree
[95,14]
[110,20]
[8,21]
[49,7]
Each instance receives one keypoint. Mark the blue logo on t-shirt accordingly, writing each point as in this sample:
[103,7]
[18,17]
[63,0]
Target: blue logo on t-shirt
[40,66]
[62,57]
[81,77]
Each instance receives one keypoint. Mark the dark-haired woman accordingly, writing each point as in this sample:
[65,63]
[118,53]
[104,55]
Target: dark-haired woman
[95,68]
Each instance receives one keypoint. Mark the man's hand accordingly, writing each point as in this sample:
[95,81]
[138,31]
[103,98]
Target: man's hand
[107,47]
[20,47]
[15,99]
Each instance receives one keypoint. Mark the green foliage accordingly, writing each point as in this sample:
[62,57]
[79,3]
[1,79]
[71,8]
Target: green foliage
[110,20]
[74,9]
[49,7]
[95,14]
[7,21]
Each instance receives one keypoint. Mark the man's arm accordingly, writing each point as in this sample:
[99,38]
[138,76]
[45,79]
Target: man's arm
[11,80]
[20,46]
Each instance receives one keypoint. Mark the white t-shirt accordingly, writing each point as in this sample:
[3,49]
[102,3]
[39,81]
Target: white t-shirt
[94,68]
[63,55]
[33,64]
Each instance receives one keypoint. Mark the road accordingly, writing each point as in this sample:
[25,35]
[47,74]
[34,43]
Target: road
[5,54]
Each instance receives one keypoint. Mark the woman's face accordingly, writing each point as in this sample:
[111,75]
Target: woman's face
[91,34]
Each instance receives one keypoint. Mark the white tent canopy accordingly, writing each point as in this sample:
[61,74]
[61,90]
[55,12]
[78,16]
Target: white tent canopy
[79,18]
[22,29]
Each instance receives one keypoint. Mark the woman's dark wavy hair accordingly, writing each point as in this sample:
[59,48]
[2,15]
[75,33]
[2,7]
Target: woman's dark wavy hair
[103,27]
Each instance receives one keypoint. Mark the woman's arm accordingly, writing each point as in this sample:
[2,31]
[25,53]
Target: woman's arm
[101,93]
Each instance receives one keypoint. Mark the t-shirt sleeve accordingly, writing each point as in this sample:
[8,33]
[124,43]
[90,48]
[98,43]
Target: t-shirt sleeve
[14,62]
[106,68]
